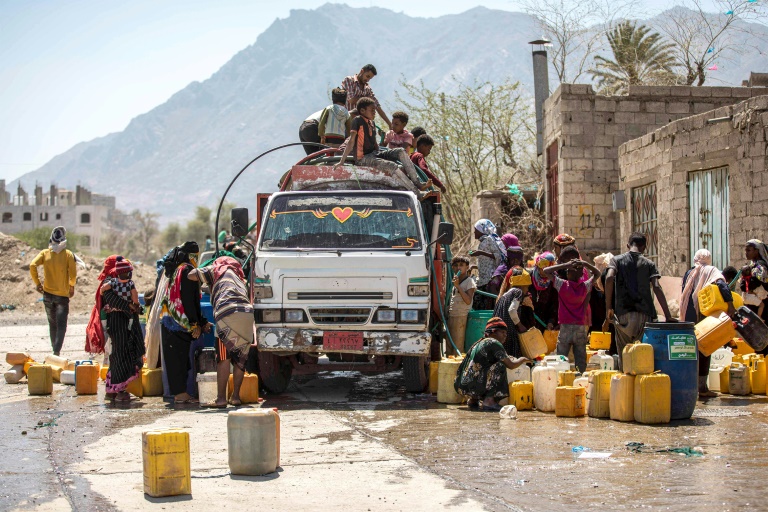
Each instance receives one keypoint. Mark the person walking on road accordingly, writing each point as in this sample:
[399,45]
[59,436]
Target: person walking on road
[632,276]
[58,286]
[233,314]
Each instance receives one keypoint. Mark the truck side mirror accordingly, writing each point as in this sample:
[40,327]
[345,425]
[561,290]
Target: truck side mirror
[445,233]
[239,222]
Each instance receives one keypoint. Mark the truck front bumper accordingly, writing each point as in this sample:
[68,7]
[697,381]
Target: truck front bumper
[384,343]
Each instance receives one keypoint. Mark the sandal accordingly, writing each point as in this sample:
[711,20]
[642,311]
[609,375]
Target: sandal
[214,405]
[236,403]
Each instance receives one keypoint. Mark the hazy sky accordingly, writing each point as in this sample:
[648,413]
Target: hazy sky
[74,70]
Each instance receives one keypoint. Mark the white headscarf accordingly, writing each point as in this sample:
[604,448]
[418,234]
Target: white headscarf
[58,241]
[488,228]
[703,274]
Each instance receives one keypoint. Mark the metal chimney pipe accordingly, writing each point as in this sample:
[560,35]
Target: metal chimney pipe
[540,89]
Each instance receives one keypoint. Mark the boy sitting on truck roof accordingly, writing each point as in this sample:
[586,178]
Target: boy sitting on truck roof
[424,146]
[362,139]
[333,127]
[398,136]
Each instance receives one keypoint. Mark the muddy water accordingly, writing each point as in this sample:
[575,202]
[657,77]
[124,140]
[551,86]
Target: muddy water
[529,463]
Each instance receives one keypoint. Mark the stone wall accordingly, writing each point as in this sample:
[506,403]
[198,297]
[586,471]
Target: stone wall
[666,156]
[589,129]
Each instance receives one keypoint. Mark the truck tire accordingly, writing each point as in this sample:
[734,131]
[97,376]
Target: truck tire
[416,373]
[274,372]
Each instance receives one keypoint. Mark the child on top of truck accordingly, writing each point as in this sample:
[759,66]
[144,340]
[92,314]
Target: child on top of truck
[398,136]
[424,146]
[362,139]
[334,123]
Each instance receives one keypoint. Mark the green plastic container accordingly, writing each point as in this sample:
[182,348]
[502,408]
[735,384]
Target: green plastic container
[476,320]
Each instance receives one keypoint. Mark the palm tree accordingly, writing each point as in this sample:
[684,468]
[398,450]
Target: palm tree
[639,58]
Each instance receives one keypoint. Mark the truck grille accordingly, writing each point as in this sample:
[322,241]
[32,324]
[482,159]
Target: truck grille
[340,295]
[340,315]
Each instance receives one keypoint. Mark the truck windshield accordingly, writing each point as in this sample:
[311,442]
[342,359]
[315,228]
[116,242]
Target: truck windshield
[342,221]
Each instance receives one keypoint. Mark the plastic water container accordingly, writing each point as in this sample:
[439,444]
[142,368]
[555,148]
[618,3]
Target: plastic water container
[751,328]
[40,380]
[252,441]
[590,355]
[15,374]
[570,401]
[152,381]
[721,357]
[637,359]
[559,363]
[16,358]
[522,372]
[532,343]
[103,372]
[433,365]
[601,361]
[53,360]
[682,366]
[67,377]
[135,387]
[599,340]
[544,385]
[757,375]
[165,455]
[711,300]
[567,378]
[739,383]
[599,393]
[713,382]
[550,338]
[725,380]
[28,364]
[508,412]
[249,390]
[521,395]
[446,375]
[713,332]
[86,379]
[582,382]
[207,387]
[653,398]
[622,401]
[742,347]
[476,320]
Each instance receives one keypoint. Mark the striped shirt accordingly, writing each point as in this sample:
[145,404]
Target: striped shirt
[355,91]
[228,294]
[333,121]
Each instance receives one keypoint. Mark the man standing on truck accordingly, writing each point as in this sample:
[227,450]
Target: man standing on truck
[357,87]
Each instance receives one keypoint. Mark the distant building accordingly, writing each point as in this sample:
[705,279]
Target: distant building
[80,211]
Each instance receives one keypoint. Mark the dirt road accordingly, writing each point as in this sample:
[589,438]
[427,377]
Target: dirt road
[359,442]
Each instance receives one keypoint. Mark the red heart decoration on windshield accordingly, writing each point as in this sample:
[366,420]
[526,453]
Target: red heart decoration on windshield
[342,214]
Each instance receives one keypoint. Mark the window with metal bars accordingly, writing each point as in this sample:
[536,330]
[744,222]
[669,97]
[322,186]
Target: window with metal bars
[644,218]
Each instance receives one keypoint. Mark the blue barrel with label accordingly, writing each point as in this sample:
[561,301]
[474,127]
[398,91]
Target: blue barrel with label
[676,353]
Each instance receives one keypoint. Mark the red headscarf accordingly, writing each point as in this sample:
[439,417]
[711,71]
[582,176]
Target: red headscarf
[224,263]
[94,334]
[494,324]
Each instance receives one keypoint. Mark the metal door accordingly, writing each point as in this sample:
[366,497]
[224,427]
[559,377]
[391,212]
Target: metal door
[709,213]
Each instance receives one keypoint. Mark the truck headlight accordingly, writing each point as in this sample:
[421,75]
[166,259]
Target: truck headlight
[418,290]
[410,316]
[385,316]
[270,316]
[294,315]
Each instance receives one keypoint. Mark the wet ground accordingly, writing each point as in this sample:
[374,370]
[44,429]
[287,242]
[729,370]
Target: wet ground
[358,442]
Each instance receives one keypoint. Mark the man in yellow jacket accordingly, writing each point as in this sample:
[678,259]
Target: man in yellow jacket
[58,286]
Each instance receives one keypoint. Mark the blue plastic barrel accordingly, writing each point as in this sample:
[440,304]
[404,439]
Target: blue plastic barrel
[675,353]
[209,339]
[476,320]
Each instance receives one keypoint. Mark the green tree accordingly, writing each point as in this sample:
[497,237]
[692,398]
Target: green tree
[170,237]
[148,228]
[39,238]
[484,138]
[640,57]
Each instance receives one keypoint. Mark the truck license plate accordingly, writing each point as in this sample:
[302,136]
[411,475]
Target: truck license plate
[342,340]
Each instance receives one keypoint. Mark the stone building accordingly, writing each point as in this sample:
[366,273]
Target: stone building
[80,211]
[700,182]
[582,135]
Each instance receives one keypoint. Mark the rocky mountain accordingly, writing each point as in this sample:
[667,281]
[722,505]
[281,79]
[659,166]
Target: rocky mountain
[184,152]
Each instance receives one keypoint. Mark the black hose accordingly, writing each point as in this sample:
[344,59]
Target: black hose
[223,197]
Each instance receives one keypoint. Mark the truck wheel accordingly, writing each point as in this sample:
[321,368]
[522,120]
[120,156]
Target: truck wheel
[415,373]
[274,372]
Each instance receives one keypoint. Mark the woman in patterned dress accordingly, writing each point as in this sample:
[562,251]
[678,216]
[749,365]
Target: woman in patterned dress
[482,375]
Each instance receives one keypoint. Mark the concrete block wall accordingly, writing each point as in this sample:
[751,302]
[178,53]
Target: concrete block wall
[589,129]
[667,156]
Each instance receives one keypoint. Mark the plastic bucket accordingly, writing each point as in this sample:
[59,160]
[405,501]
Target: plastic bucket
[476,320]
[675,353]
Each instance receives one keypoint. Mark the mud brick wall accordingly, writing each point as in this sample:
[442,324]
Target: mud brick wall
[666,156]
[589,129]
